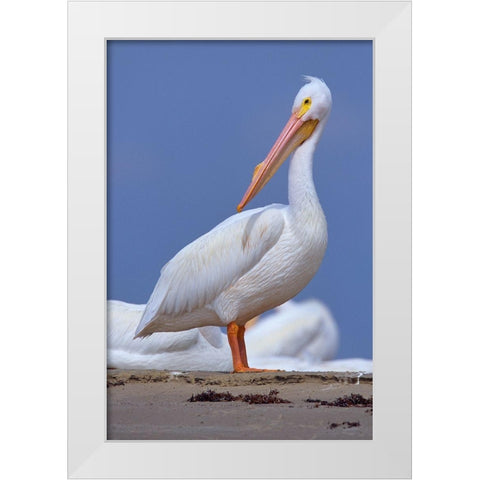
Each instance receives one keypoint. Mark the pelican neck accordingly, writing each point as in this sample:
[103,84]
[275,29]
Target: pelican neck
[301,188]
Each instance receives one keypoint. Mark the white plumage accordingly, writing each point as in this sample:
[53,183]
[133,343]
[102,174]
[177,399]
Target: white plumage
[193,283]
[254,260]
[195,349]
[295,336]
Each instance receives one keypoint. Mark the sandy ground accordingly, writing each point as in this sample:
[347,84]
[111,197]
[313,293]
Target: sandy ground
[154,405]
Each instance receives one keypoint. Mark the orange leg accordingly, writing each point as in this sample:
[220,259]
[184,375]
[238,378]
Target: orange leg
[235,334]
[241,345]
[232,331]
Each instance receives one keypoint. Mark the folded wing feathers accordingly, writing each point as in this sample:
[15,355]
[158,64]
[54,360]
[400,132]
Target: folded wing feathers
[212,263]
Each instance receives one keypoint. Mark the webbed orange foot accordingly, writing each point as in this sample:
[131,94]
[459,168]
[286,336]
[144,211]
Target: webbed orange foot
[242,369]
[235,334]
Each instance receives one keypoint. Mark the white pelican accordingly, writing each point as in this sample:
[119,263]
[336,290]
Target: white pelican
[295,336]
[257,259]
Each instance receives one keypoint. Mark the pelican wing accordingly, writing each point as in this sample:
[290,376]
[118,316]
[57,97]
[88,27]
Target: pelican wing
[213,262]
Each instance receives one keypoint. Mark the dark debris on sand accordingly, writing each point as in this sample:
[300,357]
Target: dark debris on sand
[352,400]
[345,425]
[272,397]
[250,398]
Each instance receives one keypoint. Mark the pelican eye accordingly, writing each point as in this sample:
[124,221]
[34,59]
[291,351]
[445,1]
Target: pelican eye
[304,106]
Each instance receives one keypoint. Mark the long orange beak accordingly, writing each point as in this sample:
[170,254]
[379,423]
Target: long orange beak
[295,132]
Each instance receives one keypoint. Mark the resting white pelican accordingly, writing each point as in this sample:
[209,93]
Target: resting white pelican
[257,259]
[294,336]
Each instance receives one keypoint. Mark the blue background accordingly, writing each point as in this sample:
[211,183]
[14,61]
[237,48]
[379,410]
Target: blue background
[187,121]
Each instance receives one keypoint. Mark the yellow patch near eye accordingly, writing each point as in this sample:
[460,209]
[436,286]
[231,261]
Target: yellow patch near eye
[305,107]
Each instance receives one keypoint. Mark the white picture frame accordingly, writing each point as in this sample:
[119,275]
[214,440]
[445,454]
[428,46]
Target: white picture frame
[91,24]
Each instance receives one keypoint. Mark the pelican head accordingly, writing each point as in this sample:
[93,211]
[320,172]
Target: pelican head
[313,100]
[311,107]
